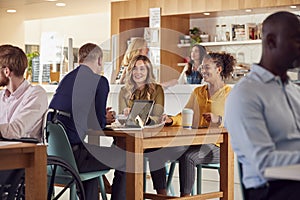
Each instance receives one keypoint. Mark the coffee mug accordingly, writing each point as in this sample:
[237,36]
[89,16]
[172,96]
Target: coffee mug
[187,118]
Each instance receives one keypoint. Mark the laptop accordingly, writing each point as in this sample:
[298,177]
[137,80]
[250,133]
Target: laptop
[137,117]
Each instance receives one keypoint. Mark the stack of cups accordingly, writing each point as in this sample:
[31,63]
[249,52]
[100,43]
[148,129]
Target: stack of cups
[187,118]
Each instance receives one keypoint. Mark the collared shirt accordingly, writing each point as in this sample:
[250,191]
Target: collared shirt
[83,95]
[262,115]
[21,113]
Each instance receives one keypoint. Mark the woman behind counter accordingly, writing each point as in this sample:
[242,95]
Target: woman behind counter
[191,73]
[138,46]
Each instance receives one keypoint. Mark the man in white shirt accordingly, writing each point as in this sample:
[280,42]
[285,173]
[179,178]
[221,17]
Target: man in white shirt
[22,105]
[262,112]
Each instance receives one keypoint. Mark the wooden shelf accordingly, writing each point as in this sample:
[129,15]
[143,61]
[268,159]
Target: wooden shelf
[223,43]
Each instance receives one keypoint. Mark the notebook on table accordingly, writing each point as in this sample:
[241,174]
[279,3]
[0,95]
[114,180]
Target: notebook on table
[137,117]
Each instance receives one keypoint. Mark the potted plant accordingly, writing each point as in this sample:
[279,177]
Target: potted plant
[195,35]
[30,56]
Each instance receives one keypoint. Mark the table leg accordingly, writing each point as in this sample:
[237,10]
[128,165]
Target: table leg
[227,169]
[134,167]
[36,174]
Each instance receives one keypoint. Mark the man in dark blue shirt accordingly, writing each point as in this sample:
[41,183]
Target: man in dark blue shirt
[83,93]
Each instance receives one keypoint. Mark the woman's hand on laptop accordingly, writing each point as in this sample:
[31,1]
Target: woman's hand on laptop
[126,111]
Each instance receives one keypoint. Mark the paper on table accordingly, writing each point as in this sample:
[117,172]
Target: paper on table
[4,143]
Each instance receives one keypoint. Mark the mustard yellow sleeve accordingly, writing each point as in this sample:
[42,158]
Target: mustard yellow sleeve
[177,120]
[227,91]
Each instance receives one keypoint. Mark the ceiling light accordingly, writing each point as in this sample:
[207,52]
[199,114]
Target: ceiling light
[60,4]
[206,13]
[293,7]
[11,11]
[248,10]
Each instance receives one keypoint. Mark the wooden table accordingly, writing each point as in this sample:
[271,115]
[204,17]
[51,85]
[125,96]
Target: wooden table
[33,158]
[138,141]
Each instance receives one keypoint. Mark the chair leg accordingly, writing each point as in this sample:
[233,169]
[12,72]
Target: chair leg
[73,191]
[170,175]
[102,188]
[199,179]
[197,184]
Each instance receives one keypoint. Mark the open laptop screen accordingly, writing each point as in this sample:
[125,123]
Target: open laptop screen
[141,108]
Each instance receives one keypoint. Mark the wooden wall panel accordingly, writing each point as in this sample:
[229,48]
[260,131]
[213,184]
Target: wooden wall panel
[173,27]
[229,5]
[198,6]
[243,4]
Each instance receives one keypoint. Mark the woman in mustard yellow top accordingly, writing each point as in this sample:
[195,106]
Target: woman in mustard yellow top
[208,103]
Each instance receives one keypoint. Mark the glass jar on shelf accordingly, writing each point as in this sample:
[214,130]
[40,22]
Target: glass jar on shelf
[218,33]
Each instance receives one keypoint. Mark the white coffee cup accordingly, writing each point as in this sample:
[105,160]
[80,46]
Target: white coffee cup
[187,118]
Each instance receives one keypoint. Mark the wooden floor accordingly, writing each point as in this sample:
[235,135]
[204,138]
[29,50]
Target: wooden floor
[209,184]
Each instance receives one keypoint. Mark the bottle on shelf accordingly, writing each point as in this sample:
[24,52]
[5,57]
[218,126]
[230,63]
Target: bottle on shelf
[218,33]
[225,33]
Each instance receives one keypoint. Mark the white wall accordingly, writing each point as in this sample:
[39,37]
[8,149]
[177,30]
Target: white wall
[86,22]
[82,28]
[12,30]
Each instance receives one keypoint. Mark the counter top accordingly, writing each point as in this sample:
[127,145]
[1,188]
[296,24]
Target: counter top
[176,96]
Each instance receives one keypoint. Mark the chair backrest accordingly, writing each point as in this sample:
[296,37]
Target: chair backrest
[58,142]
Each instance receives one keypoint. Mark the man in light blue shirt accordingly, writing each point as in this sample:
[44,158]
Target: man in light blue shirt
[262,112]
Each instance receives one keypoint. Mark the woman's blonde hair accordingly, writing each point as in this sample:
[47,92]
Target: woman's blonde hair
[133,50]
[150,82]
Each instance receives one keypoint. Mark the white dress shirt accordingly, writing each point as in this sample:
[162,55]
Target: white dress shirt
[21,113]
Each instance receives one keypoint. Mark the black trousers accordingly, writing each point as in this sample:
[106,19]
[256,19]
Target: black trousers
[92,158]
[276,190]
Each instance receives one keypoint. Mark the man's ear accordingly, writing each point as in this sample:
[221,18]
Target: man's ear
[100,61]
[271,41]
[7,71]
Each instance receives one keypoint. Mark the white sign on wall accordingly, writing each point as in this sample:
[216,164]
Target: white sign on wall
[154,17]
